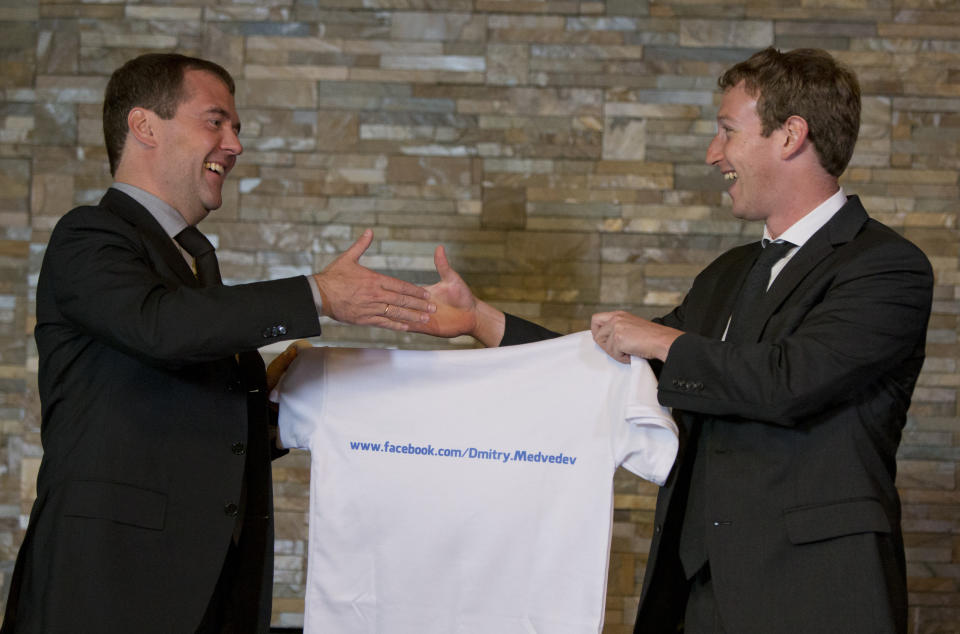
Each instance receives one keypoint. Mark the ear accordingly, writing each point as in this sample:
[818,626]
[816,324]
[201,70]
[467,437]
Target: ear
[795,131]
[140,124]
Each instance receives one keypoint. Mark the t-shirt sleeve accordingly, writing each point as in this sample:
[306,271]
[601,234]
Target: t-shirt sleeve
[300,397]
[650,443]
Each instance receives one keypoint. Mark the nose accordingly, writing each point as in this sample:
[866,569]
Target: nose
[231,141]
[714,151]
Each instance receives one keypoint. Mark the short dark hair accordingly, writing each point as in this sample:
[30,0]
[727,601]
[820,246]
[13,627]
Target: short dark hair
[153,81]
[808,83]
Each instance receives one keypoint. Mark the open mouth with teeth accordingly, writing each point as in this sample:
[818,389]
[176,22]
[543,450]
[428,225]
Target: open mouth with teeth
[730,176]
[215,167]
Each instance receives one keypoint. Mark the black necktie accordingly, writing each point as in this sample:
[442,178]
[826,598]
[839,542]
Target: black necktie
[692,547]
[208,272]
[205,259]
[754,287]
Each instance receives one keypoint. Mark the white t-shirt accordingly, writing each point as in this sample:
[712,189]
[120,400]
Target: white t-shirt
[467,491]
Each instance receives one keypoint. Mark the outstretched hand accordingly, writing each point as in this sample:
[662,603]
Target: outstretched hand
[456,305]
[459,312]
[354,294]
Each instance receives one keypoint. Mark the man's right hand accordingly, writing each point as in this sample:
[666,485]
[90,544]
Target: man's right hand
[353,294]
[459,312]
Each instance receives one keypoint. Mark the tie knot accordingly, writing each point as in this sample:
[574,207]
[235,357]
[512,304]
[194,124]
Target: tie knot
[194,242]
[205,260]
[773,251]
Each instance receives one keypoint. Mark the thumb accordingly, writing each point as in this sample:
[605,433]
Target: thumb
[443,266]
[598,321]
[357,248]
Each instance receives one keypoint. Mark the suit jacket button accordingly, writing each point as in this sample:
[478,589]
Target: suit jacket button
[238,448]
[266,333]
[231,509]
[282,330]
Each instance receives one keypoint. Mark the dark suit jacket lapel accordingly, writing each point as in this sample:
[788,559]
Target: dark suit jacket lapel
[840,229]
[725,292]
[156,239]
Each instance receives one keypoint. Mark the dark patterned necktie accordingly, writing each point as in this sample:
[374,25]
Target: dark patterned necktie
[754,287]
[205,258]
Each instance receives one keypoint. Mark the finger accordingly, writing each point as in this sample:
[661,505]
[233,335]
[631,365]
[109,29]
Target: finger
[398,313]
[600,318]
[360,246]
[389,324]
[598,336]
[279,365]
[294,348]
[605,335]
[609,346]
[443,265]
[302,344]
[283,359]
[598,321]
[399,289]
[414,303]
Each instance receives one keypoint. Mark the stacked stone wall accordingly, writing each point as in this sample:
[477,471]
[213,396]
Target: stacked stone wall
[555,147]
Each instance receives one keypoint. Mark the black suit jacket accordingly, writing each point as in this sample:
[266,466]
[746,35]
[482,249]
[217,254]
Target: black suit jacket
[153,412]
[804,516]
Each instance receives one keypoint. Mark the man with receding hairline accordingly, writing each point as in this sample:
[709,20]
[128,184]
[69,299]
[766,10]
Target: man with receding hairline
[154,503]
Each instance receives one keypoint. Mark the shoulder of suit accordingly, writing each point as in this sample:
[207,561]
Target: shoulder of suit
[86,220]
[877,236]
[92,216]
[866,244]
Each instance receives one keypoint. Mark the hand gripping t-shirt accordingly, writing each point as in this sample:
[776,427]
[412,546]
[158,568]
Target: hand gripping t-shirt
[467,491]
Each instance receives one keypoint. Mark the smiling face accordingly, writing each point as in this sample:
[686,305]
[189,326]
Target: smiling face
[748,160]
[198,147]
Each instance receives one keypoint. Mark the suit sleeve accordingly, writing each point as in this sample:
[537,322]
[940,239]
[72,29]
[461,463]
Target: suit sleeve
[105,283]
[861,329]
[517,331]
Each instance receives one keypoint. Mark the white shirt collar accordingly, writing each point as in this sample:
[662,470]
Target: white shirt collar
[801,231]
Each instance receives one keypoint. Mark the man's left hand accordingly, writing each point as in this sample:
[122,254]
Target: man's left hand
[283,360]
